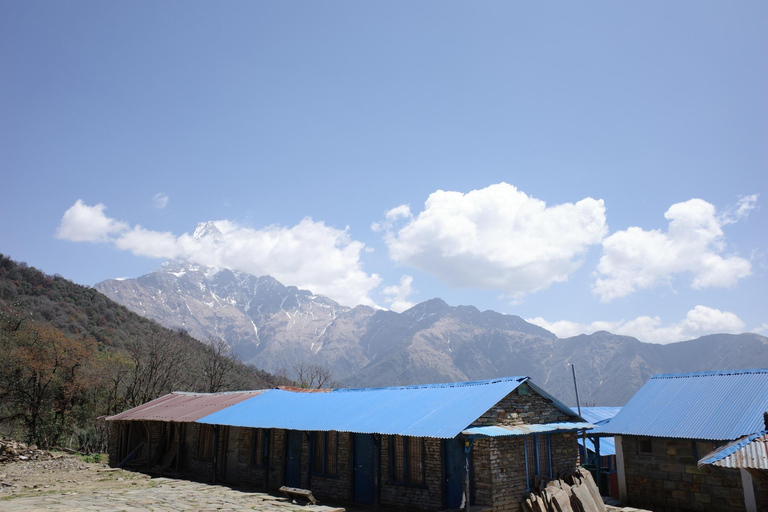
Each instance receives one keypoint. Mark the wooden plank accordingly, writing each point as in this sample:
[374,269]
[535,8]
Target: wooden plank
[584,496]
[593,489]
[562,501]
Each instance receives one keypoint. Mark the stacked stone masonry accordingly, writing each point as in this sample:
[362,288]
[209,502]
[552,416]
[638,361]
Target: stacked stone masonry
[667,478]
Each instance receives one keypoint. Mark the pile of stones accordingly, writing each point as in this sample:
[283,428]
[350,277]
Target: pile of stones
[574,492]
[15,451]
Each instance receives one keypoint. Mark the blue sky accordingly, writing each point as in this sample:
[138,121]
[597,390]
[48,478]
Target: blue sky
[527,153]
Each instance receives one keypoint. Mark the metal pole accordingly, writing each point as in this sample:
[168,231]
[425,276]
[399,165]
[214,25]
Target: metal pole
[578,405]
[467,490]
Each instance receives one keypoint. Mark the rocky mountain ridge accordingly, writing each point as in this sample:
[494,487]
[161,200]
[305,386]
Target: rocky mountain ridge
[277,328]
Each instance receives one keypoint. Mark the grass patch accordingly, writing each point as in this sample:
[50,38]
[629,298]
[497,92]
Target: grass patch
[93,457]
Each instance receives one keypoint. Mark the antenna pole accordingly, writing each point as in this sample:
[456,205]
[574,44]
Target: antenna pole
[578,406]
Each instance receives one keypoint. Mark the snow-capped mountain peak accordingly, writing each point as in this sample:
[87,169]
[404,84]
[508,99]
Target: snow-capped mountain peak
[207,231]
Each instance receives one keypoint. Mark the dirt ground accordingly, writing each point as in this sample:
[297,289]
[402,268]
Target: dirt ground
[68,484]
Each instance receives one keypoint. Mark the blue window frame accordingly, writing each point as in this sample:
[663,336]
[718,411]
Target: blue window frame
[537,449]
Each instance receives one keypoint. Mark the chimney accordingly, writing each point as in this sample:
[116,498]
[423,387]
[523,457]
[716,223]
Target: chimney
[765,420]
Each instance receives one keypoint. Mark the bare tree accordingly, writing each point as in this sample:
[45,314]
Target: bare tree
[218,365]
[312,375]
[160,362]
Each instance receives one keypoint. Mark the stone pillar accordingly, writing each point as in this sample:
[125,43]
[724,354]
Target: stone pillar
[620,470]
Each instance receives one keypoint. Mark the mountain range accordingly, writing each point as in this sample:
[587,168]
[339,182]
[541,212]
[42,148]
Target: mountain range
[279,328]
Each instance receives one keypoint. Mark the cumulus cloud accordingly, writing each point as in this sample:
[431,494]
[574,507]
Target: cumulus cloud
[693,244]
[398,294]
[497,238]
[699,321]
[160,200]
[309,255]
[83,223]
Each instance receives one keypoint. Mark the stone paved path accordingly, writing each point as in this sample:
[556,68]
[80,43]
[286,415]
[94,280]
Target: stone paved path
[158,494]
[102,489]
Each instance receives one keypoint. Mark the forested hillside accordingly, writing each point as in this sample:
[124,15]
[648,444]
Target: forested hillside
[70,355]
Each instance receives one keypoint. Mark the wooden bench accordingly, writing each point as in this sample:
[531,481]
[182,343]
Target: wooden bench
[304,495]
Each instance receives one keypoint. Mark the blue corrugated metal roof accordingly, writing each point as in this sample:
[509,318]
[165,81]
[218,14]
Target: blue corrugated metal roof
[597,415]
[607,445]
[435,410]
[707,405]
[524,430]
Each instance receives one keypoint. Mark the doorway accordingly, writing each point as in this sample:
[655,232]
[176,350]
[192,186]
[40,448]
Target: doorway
[364,483]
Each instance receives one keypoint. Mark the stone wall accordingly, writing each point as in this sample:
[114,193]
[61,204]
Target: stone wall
[500,478]
[427,496]
[507,463]
[190,462]
[668,478]
[336,487]
[481,466]
[522,406]
[113,442]
[760,479]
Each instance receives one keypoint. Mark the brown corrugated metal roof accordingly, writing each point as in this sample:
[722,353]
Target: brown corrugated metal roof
[752,455]
[184,407]
[747,452]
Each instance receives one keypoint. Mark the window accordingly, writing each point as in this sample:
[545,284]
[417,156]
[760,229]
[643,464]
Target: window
[326,453]
[644,446]
[205,443]
[537,457]
[260,448]
[407,460]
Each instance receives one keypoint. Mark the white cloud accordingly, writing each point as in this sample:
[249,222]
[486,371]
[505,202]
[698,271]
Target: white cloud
[743,207]
[143,242]
[398,294]
[699,321]
[309,255]
[160,200]
[83,223]
[391,216]
[497,237]
[636,259]
[761,329]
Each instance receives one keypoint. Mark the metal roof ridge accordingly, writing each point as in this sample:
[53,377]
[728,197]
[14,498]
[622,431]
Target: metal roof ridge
[220,393]
[438,385]
[748,371]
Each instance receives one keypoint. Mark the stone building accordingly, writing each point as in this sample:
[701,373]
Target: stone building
[673,421]
[750,456]
[405,448]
